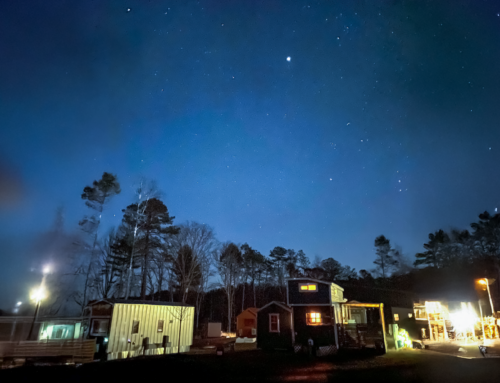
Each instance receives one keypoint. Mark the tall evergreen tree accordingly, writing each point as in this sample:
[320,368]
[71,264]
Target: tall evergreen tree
[95,197]
[385,260]
[279,258]
[435,250]
[155,227]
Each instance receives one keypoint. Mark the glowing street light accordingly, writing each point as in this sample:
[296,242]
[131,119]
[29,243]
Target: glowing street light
[46,270]
[36,295]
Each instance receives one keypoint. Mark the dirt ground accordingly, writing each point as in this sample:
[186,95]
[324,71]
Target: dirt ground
[258,366]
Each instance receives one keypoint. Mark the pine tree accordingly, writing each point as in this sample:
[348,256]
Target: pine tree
[95,198]
[385,260]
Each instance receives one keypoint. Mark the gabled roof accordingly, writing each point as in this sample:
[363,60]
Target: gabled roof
[281,304]
[314,280]
[251,310]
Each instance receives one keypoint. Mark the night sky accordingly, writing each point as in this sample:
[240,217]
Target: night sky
[303,124]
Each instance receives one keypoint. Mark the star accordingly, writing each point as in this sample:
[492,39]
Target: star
[288,58]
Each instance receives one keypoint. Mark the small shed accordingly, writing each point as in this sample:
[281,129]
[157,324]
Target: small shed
[275,327]
[246,323]
[125,328]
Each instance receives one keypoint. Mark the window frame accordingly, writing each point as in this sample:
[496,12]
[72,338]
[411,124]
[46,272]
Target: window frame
[93,326]
[135,330]
[308,290]
[159,328]
[314,323]
[277,316]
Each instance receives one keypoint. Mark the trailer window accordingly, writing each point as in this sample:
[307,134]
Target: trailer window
[135,327]
[274,323]
[100,327]
[313,319]
[308,287]
[160,326]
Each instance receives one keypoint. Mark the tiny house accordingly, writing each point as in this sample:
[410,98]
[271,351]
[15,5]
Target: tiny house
[275,327]
[246,323]
[316,312]
[125,328]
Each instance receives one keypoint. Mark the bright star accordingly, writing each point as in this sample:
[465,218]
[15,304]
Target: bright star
[288,58]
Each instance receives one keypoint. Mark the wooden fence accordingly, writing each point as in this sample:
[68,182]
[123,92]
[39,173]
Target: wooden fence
[80,351]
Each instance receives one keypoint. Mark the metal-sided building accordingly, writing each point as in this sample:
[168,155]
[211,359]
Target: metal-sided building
[125,328]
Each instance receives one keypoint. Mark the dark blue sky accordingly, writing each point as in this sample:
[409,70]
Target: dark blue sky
[384,121]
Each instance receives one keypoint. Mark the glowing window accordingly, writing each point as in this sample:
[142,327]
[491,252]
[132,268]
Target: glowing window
[160,326]
[313,319]
[306,287]
[396,317]
[274,323]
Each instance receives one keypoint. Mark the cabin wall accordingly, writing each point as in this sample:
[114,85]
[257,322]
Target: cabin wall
[295,296]
[148,316]
[271,340]
[243,330]
[322,335]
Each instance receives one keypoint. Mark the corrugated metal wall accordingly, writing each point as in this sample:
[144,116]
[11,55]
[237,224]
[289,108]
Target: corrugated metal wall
[148,317]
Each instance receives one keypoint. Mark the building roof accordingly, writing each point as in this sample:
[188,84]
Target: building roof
[114,301]
[281,304]
[251,310]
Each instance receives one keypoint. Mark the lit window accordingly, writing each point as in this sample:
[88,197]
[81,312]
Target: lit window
[308,287]
[410,315]
[160,326]
[274,323]
[396,317]
[313,319]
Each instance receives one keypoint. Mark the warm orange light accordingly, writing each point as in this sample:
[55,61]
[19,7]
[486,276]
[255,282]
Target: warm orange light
[304,287]
[313,318]
[312,287]
[483,282]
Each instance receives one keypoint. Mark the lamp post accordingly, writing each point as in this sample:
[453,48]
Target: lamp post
[484,281]
[37,295]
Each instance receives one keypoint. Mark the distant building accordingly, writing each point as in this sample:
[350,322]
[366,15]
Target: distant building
[246,323]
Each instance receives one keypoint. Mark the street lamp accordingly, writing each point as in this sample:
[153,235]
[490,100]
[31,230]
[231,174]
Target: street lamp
[484,281]
[36,295]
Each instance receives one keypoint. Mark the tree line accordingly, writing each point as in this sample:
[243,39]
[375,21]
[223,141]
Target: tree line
[148,257]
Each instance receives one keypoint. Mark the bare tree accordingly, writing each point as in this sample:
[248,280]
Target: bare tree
[228,261]
[194,268]
[160,267]
[180,313]
[106,272]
